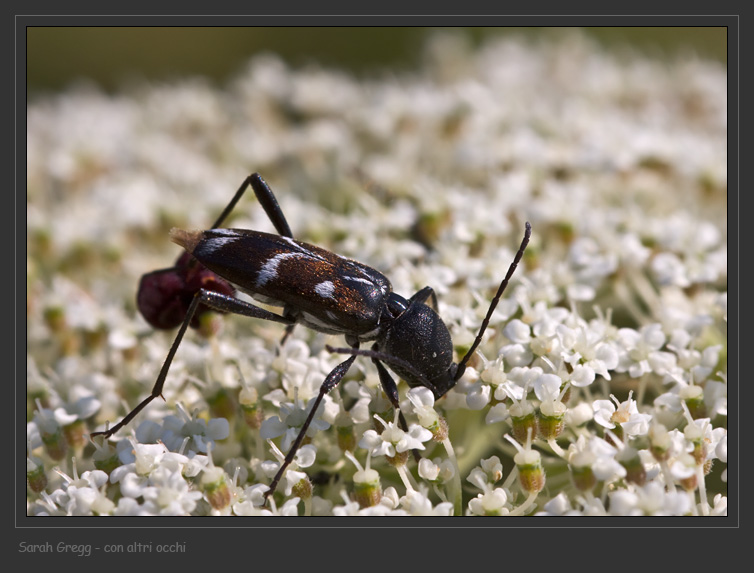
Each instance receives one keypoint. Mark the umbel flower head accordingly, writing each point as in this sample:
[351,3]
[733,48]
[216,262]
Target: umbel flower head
[605,361]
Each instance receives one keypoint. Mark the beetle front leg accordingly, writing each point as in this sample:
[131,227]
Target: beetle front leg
[216,301]
[332,380]
[391,391]
[423,294]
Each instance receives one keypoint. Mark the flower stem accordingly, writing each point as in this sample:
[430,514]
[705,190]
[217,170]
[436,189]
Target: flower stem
[702,489]
[406,478]
[521,509]
[455,484]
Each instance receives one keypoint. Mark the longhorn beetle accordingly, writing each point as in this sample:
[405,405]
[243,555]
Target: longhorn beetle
[319,289]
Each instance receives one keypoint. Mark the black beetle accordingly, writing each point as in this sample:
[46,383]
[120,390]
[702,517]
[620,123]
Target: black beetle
[317,288]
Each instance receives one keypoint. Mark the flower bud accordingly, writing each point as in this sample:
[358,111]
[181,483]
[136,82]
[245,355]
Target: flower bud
[523,419]
[35,475]
[248,399]
[399,459]
[530,472]
[54,317]
[693,396]
[302,488]
[346,438]
[551,419]
[215,487]
[629,458]
[75,434]
[55,444]
[694,435]
[367,490]
[221,405]
[105,457]
[583,477]
[439,430]
[659,442]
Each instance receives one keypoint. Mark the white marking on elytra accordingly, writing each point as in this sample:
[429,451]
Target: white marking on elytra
[358,280]
[269,270]
[301,249]
[213,243]
[325,289]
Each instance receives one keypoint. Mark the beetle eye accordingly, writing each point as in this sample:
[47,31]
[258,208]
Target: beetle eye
[396,304]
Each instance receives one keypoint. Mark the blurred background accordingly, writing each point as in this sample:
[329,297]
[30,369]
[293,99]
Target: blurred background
[58,56]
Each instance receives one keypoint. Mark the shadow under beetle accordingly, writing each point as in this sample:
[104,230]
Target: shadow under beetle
[315,287]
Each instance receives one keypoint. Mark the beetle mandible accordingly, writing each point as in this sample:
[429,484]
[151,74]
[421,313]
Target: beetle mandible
[315,287]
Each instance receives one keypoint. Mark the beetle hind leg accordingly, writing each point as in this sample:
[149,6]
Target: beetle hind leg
[266,198]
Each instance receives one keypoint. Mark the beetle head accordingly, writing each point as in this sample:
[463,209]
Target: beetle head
[419,337]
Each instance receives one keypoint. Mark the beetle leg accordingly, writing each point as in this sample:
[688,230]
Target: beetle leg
[266,198]
[391,391]
[423,295]
[291,314]
[216,301]
[332,380]
[286,334]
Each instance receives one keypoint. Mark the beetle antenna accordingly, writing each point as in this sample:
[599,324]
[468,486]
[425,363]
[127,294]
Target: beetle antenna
[493,304]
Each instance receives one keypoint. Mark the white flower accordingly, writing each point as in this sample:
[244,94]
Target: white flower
[721,449]
[305,457]
[250,507]
[597,454]
[558,505]
[640,351]
[517,331]
[477,396]
[393,440]
[84,495]
[716,398]
[170,492]
[670,270]
[423,402]
[547,387]
[683,467]
[517,354]
[650,499]
[288,424]
[720,505]
[587,351]
[498,413]
[417,503]
[579,415]
[428,470]
[185,433]
[490,502]
[626,414]
[144,458]
[441,203]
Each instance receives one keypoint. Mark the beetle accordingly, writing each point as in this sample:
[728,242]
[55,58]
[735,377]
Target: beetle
[317,288]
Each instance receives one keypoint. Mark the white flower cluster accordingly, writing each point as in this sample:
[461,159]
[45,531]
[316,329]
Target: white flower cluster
[604,365]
